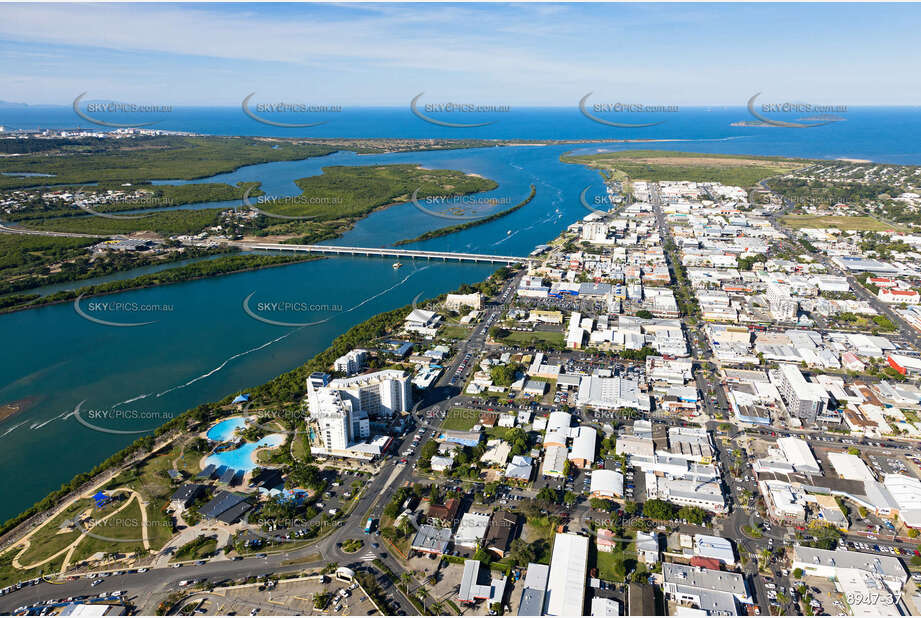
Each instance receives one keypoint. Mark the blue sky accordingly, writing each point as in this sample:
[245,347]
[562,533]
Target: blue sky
[513,54]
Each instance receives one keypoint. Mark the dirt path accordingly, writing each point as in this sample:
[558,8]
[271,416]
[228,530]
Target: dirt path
[68,551]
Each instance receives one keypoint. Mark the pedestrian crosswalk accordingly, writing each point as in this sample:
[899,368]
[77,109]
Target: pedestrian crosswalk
[368,557]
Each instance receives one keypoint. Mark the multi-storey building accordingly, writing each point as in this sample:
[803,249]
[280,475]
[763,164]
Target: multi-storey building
[804,399]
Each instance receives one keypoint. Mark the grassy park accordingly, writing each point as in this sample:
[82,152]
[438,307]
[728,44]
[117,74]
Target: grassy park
[863,224]
[658,165]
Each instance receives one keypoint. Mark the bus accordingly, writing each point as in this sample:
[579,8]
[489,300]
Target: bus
[369,525]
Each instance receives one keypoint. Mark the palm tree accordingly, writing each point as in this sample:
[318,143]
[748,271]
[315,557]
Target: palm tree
[421,593]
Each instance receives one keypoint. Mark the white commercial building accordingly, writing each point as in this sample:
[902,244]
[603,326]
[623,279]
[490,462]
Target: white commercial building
[454,302]
[351,362]
[797,453]
[706,494]
[422,322]
[382,393]
[607,484]
[555,458]
[707,546]
[612,394]
[827,563]
[715,592]
[804,400]
[906,492]
[471,530]
[583,448]
[566,584]
[559,421]
[605,607]
[850,467]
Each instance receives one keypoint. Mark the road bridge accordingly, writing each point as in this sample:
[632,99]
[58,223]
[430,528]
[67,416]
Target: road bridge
[389,252]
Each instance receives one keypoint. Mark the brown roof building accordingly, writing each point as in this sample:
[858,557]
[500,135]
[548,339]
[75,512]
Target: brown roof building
[445,514]
[501,532]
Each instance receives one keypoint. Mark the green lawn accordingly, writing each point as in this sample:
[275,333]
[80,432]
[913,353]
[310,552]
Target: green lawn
[10,575]
[455,332]
[460,419]
[125,526]
[202,547]
[841,223]
[607,563]
[52,537]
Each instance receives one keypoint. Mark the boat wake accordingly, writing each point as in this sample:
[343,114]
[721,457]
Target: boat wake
[133,399]
[280,338]
[13,428]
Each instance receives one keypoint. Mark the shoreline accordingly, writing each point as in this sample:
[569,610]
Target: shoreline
[451,229]
[376,325]
[306,258]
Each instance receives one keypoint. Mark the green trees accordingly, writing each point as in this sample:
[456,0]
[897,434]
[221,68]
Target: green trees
[547,496]
[497,332]
[426,453]
[748,261]
[305,475]
[522,553]
[631,508]
[659,509]
[694,514]
[637,355]
[503,375]
[600,504]
[519,441]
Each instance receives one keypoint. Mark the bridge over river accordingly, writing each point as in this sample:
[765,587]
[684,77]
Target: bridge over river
[391,252]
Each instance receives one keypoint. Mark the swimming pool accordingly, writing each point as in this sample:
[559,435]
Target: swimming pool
[223,431]
[242,458]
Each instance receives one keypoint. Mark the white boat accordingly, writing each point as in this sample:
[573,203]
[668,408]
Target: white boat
[397,265]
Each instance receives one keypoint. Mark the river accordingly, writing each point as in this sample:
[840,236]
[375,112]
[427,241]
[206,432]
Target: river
[202,346]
